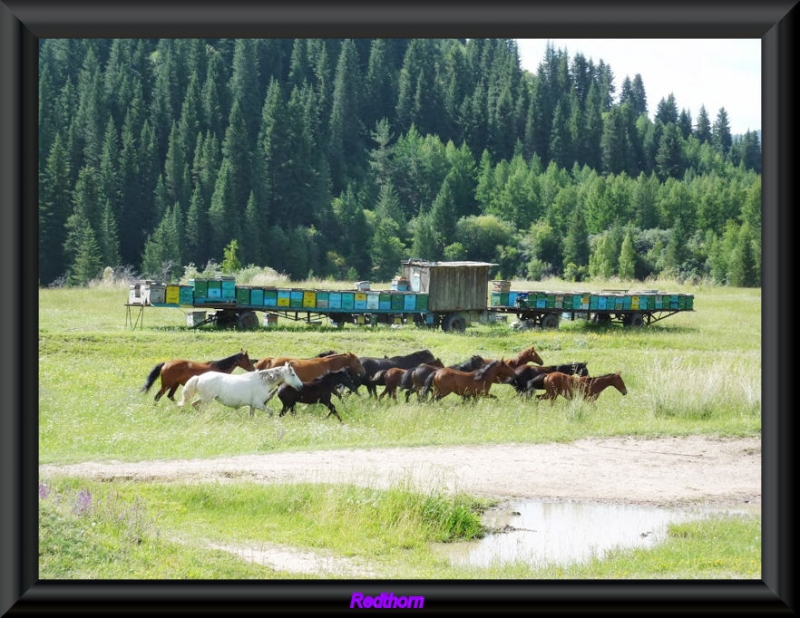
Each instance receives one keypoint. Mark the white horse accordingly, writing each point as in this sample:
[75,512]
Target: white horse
[252,389]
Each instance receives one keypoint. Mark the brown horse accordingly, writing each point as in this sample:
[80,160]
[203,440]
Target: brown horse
[309,368]
[390,378]
[572,386]
[176,372]
[419,380]
[528,355]
[470,384]
[266,362]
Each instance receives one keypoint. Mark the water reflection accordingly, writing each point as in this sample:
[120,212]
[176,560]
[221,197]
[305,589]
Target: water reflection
[547,532]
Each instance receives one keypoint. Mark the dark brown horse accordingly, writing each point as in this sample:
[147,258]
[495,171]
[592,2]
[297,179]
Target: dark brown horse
[176,372]
[470,384]
[309,368]
[318,390]
[572,386]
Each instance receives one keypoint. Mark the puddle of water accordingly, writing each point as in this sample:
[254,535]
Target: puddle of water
[544,532]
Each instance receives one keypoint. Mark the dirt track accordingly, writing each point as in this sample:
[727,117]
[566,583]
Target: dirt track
[664,471]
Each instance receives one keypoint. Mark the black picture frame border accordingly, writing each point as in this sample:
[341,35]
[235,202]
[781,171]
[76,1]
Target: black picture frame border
[22,23]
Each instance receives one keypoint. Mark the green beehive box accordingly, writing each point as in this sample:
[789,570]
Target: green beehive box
[550,301]
[397,302]
[270,298]
[422,302]
[567,301]
[200,289]
[296,298]
[690,302]
[243,296]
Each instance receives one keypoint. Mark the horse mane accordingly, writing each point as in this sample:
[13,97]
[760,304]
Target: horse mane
[481,373]
[226,362]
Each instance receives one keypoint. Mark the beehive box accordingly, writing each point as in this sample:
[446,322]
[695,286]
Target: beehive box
[186,295]
[373,300]
[257,296]
[243,296]
[309,299]
[335,300]
[348,300]
[172,296]
[359,301]
[228,289]
[214,290]
[270,298]
[422,302]
[323,299]
[195,318]
[296,298]
[284,298]
[397,302]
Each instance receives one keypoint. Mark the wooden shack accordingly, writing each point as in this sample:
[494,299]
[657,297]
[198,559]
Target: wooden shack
[451,286]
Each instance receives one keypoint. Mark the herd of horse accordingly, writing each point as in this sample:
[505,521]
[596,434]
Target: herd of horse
[318,379]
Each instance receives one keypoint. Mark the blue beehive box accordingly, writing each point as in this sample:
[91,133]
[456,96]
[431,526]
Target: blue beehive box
[410,302]
[257,296]
[335,300]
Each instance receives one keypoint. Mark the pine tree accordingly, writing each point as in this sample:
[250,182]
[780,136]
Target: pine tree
[721,138]
[703,128]
[627,258]
[576,241]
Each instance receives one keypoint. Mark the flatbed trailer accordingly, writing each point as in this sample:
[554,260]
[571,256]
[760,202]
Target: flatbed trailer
[446,295]
[626,307]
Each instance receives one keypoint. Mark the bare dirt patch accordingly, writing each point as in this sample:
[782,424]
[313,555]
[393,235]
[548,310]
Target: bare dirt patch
[662,471]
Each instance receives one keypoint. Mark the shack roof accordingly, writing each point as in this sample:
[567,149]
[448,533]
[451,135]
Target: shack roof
[426,263]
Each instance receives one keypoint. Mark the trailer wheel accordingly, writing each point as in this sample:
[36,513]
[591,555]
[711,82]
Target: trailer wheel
[550,320]
[247,320]
[454,322]
[634,320]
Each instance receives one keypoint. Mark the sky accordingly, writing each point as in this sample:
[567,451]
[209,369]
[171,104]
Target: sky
[713,73]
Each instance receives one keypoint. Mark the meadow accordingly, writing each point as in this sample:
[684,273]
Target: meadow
[692,373]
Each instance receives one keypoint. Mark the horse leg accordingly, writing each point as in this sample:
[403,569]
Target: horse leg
[332,410]
[160,393]
[171,393]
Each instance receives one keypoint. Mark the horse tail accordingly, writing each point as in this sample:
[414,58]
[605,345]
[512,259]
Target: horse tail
[405,381]
[188,391]
[152,377]
[423,392]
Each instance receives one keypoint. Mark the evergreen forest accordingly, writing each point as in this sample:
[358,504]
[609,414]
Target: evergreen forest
[338,158]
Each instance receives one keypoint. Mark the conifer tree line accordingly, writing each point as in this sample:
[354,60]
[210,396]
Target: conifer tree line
[340,157]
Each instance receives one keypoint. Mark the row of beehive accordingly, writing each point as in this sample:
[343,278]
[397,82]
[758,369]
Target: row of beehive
[330,300]
[213,291]
[585,301]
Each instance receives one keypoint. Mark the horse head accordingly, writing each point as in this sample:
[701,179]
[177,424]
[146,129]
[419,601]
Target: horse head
[243,361]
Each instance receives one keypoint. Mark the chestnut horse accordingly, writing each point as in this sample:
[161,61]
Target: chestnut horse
[572,386]
[470,384]
[528,355]
[309,368]
[419,379]
[176,372]
[527,373]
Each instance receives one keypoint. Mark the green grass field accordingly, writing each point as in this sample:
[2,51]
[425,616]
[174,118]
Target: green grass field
[693,373]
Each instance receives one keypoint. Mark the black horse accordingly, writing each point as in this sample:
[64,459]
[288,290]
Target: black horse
[372,365]
[318,390]
[529,378]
